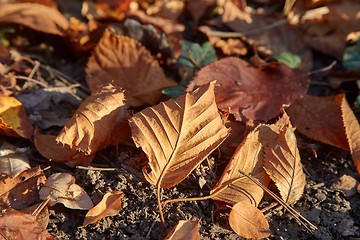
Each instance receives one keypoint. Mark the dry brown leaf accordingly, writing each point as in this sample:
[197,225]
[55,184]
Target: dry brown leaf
[233,186]
[248,221]
[21,191]
[35,16]
[89,130]
[282,163]
[184,230]
[198,8]
[110,205]
[61,188]
[177,135]
[42,217]
[13,161]
[166,9]
[320,118]
[105,9]
[122,61]
[21,226]
[347,184]
[251,93]
[352,130]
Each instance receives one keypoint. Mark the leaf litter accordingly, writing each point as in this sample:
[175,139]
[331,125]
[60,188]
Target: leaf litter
[180,139]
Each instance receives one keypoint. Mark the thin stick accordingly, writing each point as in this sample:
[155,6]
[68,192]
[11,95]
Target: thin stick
[39,208]
[158,194]
[35,68]
[151,228]
[32,80]
[96,168]
[293,212]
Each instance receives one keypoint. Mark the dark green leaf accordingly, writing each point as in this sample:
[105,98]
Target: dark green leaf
[196,56]
[351,59]
[289,59]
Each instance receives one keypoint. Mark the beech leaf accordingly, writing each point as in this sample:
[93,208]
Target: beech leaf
[248,221]
[282,163]
[110,205]
[13,161]
[185,230]
[178,135]
[61,188]
[35,16]
[124,62]
[251,93]
[22,226]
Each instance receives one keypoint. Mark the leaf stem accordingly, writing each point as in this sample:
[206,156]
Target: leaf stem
[158,194]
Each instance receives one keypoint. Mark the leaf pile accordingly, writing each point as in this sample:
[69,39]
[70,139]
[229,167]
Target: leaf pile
[125,76]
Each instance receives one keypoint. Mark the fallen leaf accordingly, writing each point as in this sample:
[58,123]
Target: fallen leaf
[42,218]
[351,58]
[248,221]
[13,164]
[136,70]
[61,188]
[319,118]
[195,55]
[198,8]
[21,226]
[13,118]
[185,230]
[110,205]
[251,93]
[35,16]
[346,184]
[21,191]
[282,163]
[177,135]
[89,130]
[166,9]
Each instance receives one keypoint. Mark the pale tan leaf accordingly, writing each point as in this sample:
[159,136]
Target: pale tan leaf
[21,191]
[13,161]
[21,226]
[124,62]
[248,221]
[352,130]
[61,188]
[35,16]
[233,186]
[347,184]
[185,230]
[282,163]
[178,135]
[110,205]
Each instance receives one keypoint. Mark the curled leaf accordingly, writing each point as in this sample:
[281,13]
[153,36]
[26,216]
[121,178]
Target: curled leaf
[12,160]
[110,205]
[61,188]
[248,221]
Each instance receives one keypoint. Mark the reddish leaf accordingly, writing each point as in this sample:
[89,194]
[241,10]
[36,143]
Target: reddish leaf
[251,93]
[248,221]
[110,205]
[21,226]
[35,16]
[13,118]
[185,230]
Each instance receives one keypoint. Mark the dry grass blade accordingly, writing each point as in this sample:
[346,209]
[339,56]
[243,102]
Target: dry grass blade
[178,135]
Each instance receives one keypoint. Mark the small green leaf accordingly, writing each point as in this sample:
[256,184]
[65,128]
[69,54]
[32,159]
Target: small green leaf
[195,56]
[351,58]
[174,92]
[289,59]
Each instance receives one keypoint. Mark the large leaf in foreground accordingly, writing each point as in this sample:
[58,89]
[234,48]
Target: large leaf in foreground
[282,163]
[177,135]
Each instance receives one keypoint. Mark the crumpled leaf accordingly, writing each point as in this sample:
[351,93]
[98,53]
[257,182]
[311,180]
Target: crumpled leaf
[105,9]
[185,230]
[126,64]
[89,130]
[110,205]
[177,135]
[13,118]
[347,184]
[21,226]
[35,16]
[248,221]
[61,188]
[250,93]
[21,191]
[282,163]
[13,164]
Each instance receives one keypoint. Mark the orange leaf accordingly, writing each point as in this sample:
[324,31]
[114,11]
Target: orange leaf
[21,226]
[251,93]
[127,64]
[178,135]
[89,130]
[282,163]
[320,118]
[233,186]
[35,16]
[110,205]
[248,221]
[13,118]
[21,191]
[185,230]
[61,188]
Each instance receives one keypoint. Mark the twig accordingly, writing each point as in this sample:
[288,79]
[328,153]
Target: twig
[32,80]
[151,228]
[41,206]
[96,168]
[35,68]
